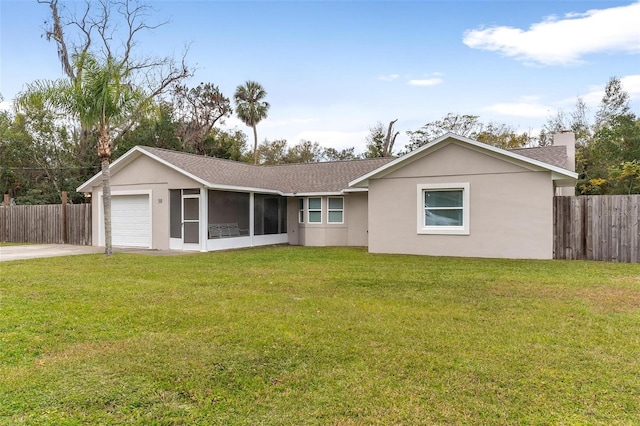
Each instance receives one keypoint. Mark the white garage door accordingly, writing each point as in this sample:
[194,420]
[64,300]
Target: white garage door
[130,221]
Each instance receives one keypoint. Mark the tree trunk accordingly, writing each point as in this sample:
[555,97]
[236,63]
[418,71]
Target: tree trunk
[255,145]
[104,152]
[106,204]
[389,140]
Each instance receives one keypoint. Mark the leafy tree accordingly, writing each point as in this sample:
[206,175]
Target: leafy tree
[198,109]
[380,141]
[614,104]
[13,140]
[109,87]
[100,98]
[304,152]
[157,129]
[251,109]
[162,130]
[375,141]
[40,158]
[230,145]
[577,121]
[502,136]
[271,153]
[462,125]
[606,161]
[626,177]
[469,126]
[332,154]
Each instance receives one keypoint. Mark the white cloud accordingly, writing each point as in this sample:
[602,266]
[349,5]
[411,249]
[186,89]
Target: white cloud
[389,77]
[528,107]
[6,106]
[287,122]
[426,82]
[564,41]
[631,84]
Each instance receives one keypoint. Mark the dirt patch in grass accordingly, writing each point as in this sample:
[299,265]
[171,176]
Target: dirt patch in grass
[612,299]
[84,350]
[604,298]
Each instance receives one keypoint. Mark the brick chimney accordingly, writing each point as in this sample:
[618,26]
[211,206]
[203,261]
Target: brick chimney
[568,139]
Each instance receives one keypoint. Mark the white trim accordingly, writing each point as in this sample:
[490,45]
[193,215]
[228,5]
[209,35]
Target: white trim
[191,246]
[204,220]
[300,200]
[252,217]
[558,172]
[422,228]
[309,222]
[101,232]
[242,189]
[315,194]
[329,210]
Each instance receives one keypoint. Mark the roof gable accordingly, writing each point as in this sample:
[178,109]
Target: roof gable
[558,172]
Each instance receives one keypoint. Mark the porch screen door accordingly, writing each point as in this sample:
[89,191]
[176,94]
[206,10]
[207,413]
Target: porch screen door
[191,219]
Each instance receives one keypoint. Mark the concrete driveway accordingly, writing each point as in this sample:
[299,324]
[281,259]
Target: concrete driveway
[34,251]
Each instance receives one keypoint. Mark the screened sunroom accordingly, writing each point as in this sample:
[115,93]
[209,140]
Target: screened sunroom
[209,219]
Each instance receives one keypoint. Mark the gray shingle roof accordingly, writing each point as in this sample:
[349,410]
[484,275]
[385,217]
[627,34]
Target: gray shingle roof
[331,176]
[288,178]
[554,155]
[328,177]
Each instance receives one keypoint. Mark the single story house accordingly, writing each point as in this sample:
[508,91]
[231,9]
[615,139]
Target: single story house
[454,197]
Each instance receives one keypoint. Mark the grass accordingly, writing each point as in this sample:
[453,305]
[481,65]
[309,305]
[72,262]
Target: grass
[318,336]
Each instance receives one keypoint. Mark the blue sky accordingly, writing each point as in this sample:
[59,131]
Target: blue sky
[334,69]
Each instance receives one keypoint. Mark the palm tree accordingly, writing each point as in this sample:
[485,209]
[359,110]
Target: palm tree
[251,109]
[100,98]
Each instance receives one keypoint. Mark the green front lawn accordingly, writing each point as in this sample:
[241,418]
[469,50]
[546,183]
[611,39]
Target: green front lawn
[318,336]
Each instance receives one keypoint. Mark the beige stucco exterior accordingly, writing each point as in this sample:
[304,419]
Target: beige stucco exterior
[510,206]
[144,175]
[353,232]
[508,203]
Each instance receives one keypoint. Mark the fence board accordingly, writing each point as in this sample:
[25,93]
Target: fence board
[43,224]
[597,227]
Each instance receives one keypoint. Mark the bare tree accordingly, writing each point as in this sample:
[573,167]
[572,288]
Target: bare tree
[106,31]
[380,142]
[198,109]
[389,139]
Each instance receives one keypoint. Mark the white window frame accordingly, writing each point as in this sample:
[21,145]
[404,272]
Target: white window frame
[310,210]
[330,210]
[444,230]
[300,210]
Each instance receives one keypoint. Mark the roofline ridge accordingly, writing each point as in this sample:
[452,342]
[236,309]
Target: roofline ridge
[536,147]
[355,160]
[197,155]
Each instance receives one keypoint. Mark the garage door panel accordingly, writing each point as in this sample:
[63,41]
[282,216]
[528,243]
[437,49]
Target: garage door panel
[131,220]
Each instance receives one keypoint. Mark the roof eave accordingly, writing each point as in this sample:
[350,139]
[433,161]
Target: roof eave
[316,194]
[564,178]
[243,189]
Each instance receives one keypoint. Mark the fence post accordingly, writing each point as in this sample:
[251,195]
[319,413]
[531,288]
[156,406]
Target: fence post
[64,217]
[5,214]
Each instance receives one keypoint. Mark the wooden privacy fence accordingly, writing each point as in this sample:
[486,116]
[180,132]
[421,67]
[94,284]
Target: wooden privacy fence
[597,227]
[46,224]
